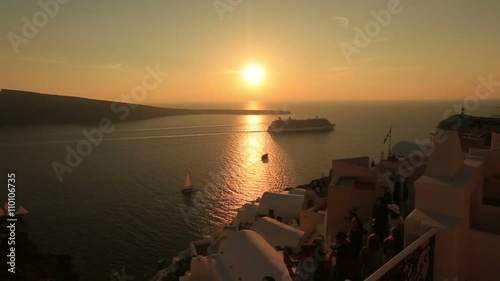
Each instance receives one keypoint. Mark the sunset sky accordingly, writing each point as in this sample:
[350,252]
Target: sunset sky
[100,49]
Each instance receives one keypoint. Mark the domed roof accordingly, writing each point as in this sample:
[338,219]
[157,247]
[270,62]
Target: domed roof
[473,131]
[277,233]
[248,256]
[464,121]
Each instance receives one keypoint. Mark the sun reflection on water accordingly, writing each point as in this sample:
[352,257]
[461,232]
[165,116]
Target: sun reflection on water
[243,175]
[247,175]
[252,147]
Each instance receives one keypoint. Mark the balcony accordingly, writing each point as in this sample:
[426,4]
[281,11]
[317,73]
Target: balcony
[415,262]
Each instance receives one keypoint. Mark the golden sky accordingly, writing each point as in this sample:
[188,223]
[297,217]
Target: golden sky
[309,50]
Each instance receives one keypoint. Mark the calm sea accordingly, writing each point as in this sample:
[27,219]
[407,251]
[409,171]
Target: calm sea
[119,208]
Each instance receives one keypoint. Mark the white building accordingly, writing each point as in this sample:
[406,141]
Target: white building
[243,256]
[246,215]
[277,233]
[283,207]
[453,233]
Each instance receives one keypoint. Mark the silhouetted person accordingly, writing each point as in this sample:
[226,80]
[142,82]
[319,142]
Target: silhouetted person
[287,259]
[393,244]
[395,218]
[380,219]
[370,259]
[388,198]
[306,265]
[323,266]
[341,250]
[357,236]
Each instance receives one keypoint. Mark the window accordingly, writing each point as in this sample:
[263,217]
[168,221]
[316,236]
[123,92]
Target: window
[310,203]
[271,213]
[346,181]
[471,136]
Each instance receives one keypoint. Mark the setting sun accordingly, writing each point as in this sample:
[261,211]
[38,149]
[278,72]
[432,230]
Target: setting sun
[253,74]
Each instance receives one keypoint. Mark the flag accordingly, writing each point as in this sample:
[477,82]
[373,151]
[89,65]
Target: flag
[388,134]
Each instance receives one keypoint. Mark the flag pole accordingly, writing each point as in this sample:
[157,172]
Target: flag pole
[390,141]
[388,136]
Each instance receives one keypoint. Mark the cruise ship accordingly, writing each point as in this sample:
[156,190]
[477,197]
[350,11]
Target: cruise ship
[300,125]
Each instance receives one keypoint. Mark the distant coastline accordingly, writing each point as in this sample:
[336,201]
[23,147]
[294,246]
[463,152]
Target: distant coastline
[22,108]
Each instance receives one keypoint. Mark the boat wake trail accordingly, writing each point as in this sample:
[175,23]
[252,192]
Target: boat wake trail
[128,138]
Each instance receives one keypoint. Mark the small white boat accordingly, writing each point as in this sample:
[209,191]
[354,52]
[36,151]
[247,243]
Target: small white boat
[187,185]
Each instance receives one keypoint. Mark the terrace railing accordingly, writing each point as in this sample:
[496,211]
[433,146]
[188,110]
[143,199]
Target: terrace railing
[414,263]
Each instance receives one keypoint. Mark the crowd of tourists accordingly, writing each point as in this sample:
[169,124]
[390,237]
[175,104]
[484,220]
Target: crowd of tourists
[356,254]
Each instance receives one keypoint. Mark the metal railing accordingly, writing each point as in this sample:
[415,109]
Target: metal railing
[414,263]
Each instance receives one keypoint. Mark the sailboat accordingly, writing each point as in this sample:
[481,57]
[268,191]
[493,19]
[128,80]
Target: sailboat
[496,115]
[187,185]
[4,212]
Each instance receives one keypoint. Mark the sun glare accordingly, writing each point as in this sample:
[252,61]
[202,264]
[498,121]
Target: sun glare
[253,74]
